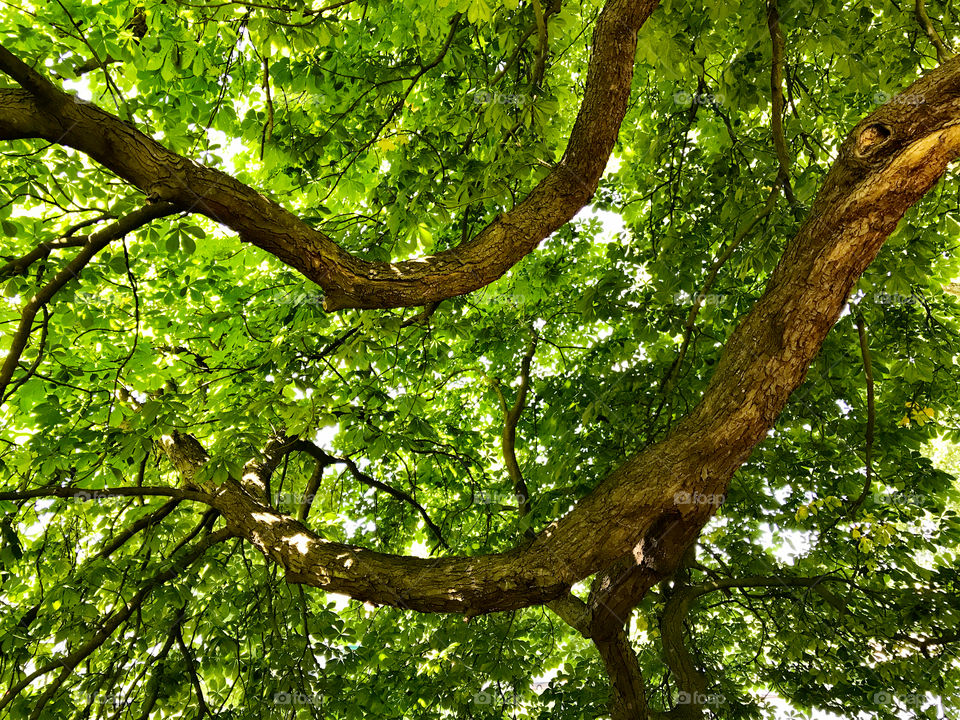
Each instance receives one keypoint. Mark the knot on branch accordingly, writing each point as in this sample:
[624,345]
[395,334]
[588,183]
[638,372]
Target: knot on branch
[186,454]
[664,544]
[872,138]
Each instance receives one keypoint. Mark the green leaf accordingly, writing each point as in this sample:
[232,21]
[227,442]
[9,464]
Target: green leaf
[478,11]
[172,243]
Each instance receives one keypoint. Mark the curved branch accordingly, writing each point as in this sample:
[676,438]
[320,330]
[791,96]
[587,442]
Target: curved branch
[29,79]
[889,161]
[323,459]
[20,265]
[349,281]
[871,414]
[689,678]
[204,711]
[628,695]
[121,538]
[777,103]
[508,438]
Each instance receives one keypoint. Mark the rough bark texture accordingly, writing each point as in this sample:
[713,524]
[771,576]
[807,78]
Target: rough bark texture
[628,694]
[42,111]
[691,683]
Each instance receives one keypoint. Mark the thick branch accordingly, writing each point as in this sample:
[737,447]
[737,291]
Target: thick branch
[258,471]
[888,162]
[349,281]
[29,79]
[84,494]
[690,680]
[628,697]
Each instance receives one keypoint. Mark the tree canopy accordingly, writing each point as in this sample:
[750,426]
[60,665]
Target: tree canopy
[531,360]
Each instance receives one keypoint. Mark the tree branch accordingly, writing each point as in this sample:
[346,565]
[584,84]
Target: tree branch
[20,265]
[110,624]
[146,521]
[920,12]
[94,244]
[508,438]
[777,104]
[628,697]
[871,414]
[322,456]
[690,680]
[29,79]
[84,494]
[349,281]
[192,671]
[890,160]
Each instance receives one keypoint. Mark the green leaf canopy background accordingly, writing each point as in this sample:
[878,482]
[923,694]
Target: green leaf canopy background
[181,358]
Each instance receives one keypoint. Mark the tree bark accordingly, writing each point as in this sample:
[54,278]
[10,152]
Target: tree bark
[628,698]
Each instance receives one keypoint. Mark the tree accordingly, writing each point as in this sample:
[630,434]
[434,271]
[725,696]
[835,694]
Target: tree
[299,304]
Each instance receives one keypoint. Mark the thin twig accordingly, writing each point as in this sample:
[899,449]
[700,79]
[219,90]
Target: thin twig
[871,414]
[920,12]
[95,243]
[777,105]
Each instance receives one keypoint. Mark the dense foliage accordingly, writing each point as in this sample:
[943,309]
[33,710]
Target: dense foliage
[827,578]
